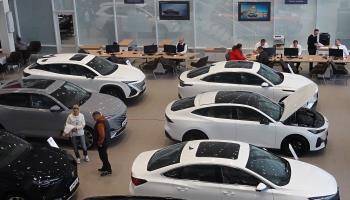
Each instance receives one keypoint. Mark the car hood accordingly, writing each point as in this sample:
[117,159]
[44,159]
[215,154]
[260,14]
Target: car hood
[310,180]
[127,73]
[294,81]
[43,162]
[297,100]
[106,104]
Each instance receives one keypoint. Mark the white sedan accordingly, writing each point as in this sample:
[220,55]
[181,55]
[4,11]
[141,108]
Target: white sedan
[246,76]
[251,118]
[93,73]
[218,169]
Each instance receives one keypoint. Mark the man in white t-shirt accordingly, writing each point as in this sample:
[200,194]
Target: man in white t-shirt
[296,45]
[262,44]
[339,45]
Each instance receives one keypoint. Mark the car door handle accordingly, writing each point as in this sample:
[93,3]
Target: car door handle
[182,189]
[228,193]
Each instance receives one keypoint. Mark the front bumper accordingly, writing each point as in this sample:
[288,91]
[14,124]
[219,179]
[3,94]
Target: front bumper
[118,125]
[320,140]
[136,89]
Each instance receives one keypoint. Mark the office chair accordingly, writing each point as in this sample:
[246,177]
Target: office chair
[14,61]
[287,68]
[320,69]
[339,72]
[150,66]
[115,59]
[34,47]
[200,63]
[82,51]
[168,65]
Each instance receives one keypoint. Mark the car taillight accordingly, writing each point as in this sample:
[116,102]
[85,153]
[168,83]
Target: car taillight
[168,119]
[137,181]
[183,84]
[25,74]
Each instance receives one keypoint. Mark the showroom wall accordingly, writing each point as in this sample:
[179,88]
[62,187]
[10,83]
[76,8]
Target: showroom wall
[213,23]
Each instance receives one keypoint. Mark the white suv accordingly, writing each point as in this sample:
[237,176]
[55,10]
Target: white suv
[93,73]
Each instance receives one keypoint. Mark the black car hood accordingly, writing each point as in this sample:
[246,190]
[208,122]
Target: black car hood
[43,163]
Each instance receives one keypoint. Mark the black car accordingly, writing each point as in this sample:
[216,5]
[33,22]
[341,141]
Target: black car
[128,198]
[29,171]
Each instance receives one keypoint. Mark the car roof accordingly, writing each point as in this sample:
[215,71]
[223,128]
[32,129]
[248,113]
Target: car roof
[194,153]
[235,66]
[31,85]
[66,58]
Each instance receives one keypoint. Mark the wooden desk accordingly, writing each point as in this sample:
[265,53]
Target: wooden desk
[91,47]
[304,59]
[164,42]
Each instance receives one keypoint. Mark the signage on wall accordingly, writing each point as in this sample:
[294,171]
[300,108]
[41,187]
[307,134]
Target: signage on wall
[295,1]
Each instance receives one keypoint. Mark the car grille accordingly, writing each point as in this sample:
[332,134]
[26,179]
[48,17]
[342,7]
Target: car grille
[139,85]
[118,120]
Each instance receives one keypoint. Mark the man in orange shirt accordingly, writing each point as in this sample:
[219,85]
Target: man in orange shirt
[102,136]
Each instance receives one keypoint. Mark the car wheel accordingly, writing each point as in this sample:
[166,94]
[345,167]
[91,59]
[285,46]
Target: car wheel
[194,135]
[114,92]
[299,144]
[14,196]
[89,138]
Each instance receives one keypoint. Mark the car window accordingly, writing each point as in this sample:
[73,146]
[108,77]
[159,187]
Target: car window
[205,173]
[198,71]
[77,70]
[237,176]
[223,112]
[58,68]
[226,77]
[251,79]
[249,114]
[15,99]
[39,101]
[270,74]
[102,66]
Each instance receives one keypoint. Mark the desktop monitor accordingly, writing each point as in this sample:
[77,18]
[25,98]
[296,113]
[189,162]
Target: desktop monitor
[338,53]
[270,51]
[170,49]
[112,48]
[150,49]
[291,52]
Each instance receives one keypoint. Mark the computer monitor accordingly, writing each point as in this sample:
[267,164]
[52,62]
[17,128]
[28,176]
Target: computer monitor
[338,53]
[291,52]
[112,48]
[150,49]
[170,49]
[270,51]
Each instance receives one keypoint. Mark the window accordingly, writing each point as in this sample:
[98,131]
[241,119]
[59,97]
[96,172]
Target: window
[205,173]
[249,114]
[223,112]
[69,94]
[237,176]
[231,78]
[15,99]
[270,74]
[58,69]
[77,70]
[102,66]
[251,79]
[41,102]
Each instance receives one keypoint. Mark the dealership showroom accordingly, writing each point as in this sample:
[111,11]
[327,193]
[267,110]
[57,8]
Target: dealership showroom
[174,99]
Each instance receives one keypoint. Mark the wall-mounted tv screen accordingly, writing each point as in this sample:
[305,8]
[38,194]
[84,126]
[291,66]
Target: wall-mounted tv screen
[174,10]
[254,11]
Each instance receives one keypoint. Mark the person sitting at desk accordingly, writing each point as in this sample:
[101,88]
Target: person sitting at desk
[236,53]
[181,46]
[296,45]
[262,44]
[263,57]
[339,45]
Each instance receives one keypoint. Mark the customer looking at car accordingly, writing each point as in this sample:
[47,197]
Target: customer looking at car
[102,134]
[74,128]
[236,53]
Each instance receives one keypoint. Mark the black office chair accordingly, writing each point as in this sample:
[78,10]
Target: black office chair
[34,47]
[339,72]
[168,65]
[200,63]
[82,51]
[286,69]
[320,69]
[150,66]
[115,59]
[14,61]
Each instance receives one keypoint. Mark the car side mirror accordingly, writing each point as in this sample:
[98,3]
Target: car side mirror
[264,84]
[265,121]
[55,108]
[261,187]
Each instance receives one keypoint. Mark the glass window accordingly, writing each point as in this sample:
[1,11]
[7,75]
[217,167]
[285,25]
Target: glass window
[273,168]
[270,108]
[15,99]
[223,112]
[227,77]
[271,75]
[77,70]
[251,79]
[167,156]
[249,114]
[237,176]
[11,147]
[205,173]
[183,103]
[102,66]
[69,94]
[41,102]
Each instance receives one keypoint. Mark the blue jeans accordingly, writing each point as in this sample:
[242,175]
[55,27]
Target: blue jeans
[74,140]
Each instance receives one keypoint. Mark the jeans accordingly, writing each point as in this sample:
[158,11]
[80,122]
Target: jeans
[102,152]
[74,140]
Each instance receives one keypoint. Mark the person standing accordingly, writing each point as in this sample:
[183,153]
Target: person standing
[102,136]
[312,44]
[75,124]
[236,53]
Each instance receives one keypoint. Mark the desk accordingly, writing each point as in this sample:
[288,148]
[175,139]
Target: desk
[91,47]
[125,44]
[305,59]
[140,55]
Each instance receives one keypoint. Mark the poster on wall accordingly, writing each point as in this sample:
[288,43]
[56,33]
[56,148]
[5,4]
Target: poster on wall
[295,1]
[254,11]
[174,10]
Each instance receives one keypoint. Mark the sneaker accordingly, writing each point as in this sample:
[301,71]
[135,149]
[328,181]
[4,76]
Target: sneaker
[106,173]
[78,160]
[86,159]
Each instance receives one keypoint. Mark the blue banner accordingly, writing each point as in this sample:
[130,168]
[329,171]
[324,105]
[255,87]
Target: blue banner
[295,1]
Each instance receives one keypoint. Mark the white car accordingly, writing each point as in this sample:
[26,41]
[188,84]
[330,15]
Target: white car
[251,118]
[246,76]
[218,169]
[93,73]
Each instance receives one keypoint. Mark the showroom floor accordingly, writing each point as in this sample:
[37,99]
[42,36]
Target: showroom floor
[145,132]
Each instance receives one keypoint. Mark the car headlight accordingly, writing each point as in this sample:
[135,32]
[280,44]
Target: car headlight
[330,197]
[316,131]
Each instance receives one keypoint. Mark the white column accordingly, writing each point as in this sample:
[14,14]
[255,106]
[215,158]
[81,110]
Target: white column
[7,41]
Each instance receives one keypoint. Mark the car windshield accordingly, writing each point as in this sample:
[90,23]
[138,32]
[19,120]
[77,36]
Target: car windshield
[270,74]
[102,66]
[168,156]
[69,95]
[11,147]
[270,108]
[273,168]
